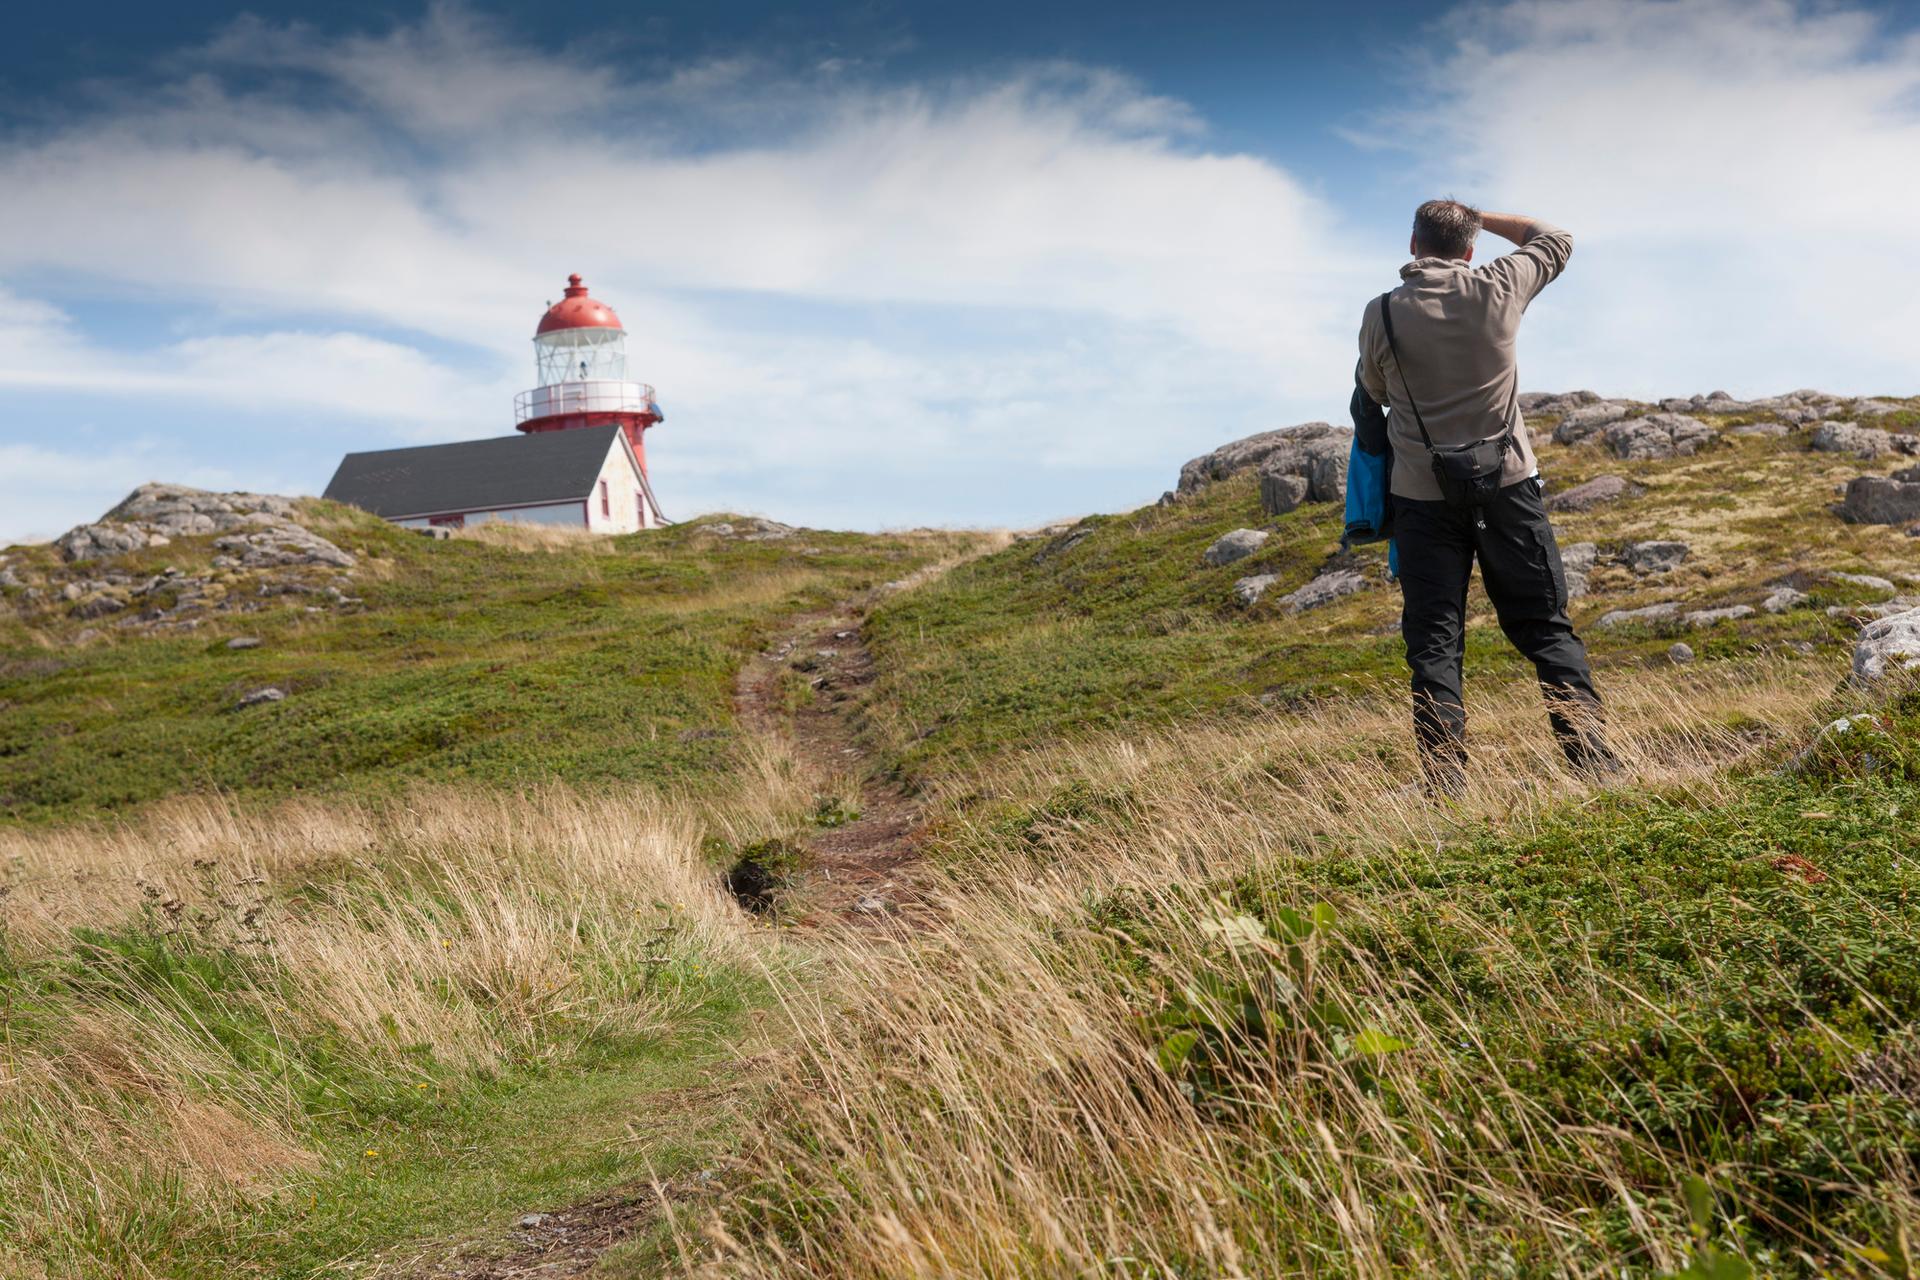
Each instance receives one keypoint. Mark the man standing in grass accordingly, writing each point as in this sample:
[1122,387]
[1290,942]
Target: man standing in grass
[1463,479]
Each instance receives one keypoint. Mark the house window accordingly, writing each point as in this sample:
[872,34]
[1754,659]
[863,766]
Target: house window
[606,501]
[640,508]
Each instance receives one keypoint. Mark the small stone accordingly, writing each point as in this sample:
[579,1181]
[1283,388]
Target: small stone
[1583,497]
[1784,599]
[1708,617]
[1680,653]
[533,1221]
[1659,556]
[1249,590]
[1888,645]
[1237,545]
[244,642]
[870,905]
[1867,580]
[1577,562]
[258,696]
[1648,613]
[1324,590]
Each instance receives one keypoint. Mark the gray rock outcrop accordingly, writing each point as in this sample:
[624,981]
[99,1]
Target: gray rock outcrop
[1871,581]
[1658,435]
[1237,545]
[1544,402]
[1593,493]
[1283,492]
[1658,556]
[1699,618]
[1324,590]
[1891,499]
[1249,590]
[261,528]
[1287,451]
[1867,443]
[1647,613]
[1578,423]
[1888,645]
[1783,599]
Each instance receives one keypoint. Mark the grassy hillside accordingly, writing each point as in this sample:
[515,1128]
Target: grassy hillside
[473,659]
[1116,621]
[1212,991]
[1187,979]
[1228,1000]
[436,940]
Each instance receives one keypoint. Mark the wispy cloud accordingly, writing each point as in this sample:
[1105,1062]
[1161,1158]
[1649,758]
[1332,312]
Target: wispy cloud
[436,180]
[1740,176]
[977,297]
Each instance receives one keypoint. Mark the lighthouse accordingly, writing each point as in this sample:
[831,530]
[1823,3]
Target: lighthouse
[580,357]
[581,460]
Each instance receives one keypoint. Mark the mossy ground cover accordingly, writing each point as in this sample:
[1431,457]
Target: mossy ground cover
[1731,986]
[1117,621]
[470,660]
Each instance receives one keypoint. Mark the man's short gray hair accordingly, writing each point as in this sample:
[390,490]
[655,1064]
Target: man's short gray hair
[1445,228]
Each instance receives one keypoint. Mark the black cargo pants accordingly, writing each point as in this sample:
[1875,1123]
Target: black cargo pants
[1520,566]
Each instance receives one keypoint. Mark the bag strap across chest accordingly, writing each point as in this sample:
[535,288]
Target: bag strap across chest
[1386,323]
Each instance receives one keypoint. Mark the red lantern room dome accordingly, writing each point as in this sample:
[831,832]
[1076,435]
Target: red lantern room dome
[577,311]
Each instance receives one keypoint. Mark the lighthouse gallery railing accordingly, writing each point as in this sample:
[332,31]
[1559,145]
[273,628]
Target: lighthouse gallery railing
[593,396]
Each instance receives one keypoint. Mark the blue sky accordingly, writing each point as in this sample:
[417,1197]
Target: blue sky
[896,264]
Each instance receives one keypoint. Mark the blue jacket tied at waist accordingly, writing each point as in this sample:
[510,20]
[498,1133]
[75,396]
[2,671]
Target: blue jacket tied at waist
[1370,479]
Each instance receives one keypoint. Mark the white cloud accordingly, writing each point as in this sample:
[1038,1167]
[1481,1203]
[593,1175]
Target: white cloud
[1740,177]
[438,181]
[851,286]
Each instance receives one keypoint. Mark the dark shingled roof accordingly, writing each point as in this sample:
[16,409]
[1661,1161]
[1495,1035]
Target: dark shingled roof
[474,475]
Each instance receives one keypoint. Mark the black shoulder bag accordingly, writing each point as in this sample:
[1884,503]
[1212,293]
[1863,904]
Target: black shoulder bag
[1468,474]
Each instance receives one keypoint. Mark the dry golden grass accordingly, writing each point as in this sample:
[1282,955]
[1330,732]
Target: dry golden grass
[537,537]
[427,938]
[979,1100]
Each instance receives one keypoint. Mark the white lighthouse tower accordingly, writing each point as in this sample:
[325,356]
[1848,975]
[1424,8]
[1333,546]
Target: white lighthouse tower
[580,357]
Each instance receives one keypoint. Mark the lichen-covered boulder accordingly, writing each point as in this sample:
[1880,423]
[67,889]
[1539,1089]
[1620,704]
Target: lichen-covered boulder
[1237,545]
[1324,590]
[1658,556]
[1888,645]
[1578,423]
[1287,451]
[1584,497]
[1699,618]
[1658,435]
[1882,499]
[1866,443]
[1647,613]
[1282,492]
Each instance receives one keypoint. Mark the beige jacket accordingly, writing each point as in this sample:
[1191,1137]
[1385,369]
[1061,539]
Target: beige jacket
[1456,327]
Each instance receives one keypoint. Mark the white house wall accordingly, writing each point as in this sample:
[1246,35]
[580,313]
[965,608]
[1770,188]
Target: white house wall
[624,495]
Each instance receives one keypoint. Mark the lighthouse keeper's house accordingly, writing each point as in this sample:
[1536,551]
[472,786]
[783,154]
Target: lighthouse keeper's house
[580,459]
[583,478]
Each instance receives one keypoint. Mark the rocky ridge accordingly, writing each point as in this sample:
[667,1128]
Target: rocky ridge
[261,549]
[1306,464]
